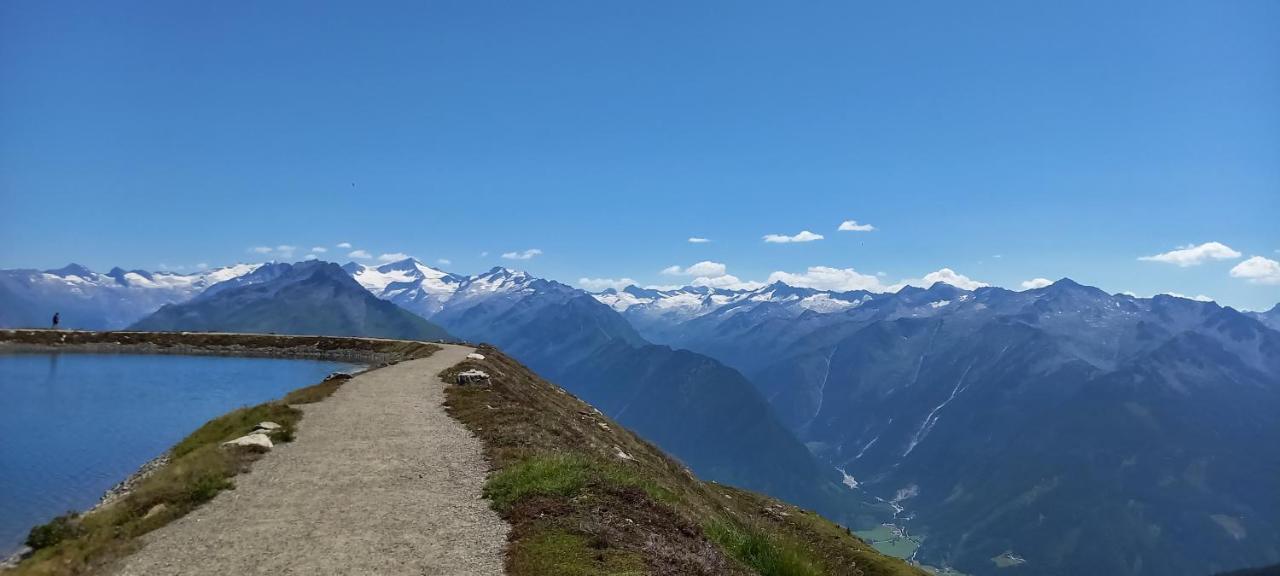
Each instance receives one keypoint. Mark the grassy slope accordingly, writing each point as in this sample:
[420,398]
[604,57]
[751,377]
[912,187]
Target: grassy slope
[197,470]
[585,496]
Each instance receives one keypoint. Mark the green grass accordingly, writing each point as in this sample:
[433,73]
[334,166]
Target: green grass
[768,556]
[564,476]
[238,423]
[560,553]
[316,392]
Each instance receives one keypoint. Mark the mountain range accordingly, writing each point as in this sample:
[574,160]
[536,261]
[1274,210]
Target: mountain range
[304,298]
[94,301]
[1070,429]
[1081,431]
[691,406]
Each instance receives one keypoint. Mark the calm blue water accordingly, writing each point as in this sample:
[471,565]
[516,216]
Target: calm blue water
[73,425]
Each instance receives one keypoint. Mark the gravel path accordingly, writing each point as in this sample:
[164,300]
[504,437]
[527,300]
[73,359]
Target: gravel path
[379,481]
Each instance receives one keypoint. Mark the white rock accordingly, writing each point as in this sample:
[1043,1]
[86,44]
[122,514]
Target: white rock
[256,439]
[471,376]
[474,356]
[268,425]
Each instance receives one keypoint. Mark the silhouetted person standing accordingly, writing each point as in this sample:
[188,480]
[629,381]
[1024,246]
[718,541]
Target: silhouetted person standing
[55,320]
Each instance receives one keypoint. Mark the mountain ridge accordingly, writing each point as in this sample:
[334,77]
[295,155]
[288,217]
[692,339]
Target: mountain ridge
[312,297]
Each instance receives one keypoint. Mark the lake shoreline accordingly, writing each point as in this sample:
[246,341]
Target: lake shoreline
[369,351]
[365,353]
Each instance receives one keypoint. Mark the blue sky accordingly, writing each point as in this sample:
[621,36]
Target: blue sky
[1006,141]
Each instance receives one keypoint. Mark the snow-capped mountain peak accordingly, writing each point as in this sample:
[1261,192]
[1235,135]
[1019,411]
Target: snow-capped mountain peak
[93,300]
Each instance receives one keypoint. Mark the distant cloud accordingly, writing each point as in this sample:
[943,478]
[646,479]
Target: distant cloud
[854,226]
[1034,283]
[319,249]
[846,279]
[393,257]
[444,261]
[945,275]
[343,245]
[704,268]
[359,254]
[726,281]
[283,251]
[697,240]
[202,266]
[1192,255]
[711,274]
[1258,270]
[827,278]
[311,257]
[526,255]
[598,284]
[1197,297]
[803,236]
[484,254]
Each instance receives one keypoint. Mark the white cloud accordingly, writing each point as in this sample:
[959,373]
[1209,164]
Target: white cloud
[827,278]
[945,275]
[393,257]
[311,257]
[526,255]
[598,284]
[281,251]
[1258,270]
[1034,283]
[343,245]
[697,240]
[319,249]
[1192,255]
[803,236]
[845,279]
[704,268]
[727,281]
[711,274]
[484,254]
[360,254]
[202,266]
[444,261]
[854,226]
[1197,297]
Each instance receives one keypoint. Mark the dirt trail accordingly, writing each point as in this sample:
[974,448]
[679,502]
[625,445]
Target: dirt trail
[380,480]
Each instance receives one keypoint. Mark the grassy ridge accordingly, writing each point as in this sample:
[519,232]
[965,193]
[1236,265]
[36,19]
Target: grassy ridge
[197,470]
[585,496]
